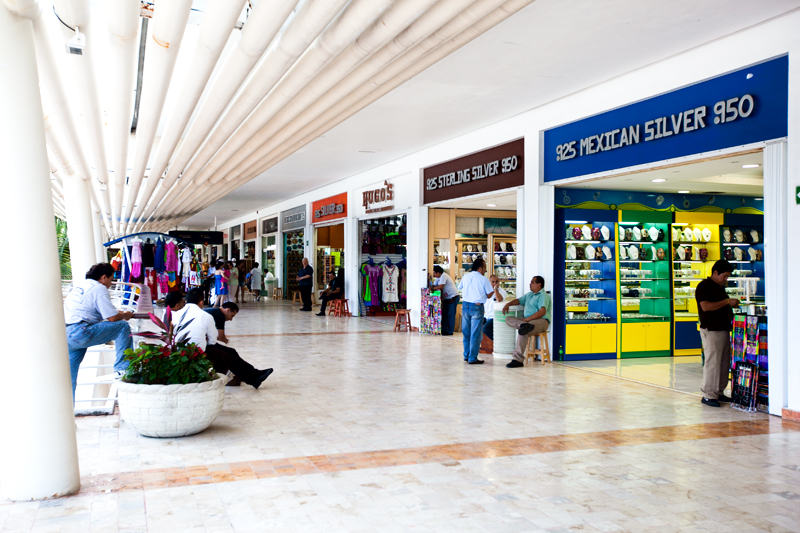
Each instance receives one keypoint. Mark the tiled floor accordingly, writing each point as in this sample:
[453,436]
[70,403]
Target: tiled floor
[679,373]
[361,429]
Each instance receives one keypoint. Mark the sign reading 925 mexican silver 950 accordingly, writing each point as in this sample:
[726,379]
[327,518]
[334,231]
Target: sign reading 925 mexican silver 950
[742,107]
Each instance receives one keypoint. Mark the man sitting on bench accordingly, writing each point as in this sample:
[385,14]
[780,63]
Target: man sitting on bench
[93,320]
[203,332]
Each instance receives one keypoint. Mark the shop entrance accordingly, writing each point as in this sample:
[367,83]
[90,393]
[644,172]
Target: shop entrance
[329,252]
[383,269]
[292,260]
[634,248]
[485,227]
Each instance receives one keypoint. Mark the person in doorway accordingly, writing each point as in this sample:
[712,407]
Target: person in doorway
[306,281]
[92,320]
[255,282]
[242,280]
[449,299]
[223,314]
[334,291]
[202,330]
[476,289]
[535,318]
[497,296]
[715,311]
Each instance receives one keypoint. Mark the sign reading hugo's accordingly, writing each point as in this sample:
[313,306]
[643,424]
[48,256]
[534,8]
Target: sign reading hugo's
[746,106]
[330,208]
[294,218]
[489,170]
[380,199]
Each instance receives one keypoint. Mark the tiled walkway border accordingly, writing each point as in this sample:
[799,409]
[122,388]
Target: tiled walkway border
[224,473]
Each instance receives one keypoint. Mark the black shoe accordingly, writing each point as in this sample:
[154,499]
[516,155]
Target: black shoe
[514,364]
[304,309]
[724,399]
[475,362]
[321,314]
[446,334]
[261,377]
[525,328]
[710,403]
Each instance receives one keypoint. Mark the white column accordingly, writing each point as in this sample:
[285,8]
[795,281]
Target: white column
[520,246]
[40,453]
[776,267]
[79,226]
[97,230]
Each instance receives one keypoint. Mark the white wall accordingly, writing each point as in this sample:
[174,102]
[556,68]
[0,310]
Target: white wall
[772,38]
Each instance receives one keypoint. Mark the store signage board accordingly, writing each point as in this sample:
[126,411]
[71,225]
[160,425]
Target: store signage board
[294,218]
[250,230]
[742,107]
[378,199]
[200,237]
[331,208]
[489,170]
[269,225]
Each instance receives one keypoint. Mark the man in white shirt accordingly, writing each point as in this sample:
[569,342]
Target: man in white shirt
[202,331]
[476,289]
[488,309]
[93,320]
[449,299]
[255,281]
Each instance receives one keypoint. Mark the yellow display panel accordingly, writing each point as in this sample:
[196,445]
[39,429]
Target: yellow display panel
[579,338]
[657,337]
[634,337]
[604,338]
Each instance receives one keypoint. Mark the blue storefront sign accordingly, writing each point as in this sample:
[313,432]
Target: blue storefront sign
[742,107]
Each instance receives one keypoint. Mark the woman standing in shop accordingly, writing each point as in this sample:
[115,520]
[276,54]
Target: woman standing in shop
[306,281]
[222,277]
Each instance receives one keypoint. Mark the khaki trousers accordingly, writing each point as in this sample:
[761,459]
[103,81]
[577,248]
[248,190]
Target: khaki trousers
[717,349]
[540,325]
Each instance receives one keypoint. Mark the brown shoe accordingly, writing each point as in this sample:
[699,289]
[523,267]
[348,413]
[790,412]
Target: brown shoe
[234,382]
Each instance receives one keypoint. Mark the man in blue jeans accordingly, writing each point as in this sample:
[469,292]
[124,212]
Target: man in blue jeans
[92,320]
[475,289]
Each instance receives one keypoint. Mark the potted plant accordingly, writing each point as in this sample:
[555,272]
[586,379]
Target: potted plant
[170,389]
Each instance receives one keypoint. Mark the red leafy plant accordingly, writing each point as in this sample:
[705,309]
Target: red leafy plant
[170,361]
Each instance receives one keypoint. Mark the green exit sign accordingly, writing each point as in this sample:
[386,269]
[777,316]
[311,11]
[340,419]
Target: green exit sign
[797,195]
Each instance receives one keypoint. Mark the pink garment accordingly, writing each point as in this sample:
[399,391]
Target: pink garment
[172,257]
[136,259]
[373,273]
[163,285]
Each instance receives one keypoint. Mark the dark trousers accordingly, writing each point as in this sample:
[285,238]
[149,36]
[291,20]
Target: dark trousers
[225,358]
[325,298]
[305,295]
[488,328]
[449,308]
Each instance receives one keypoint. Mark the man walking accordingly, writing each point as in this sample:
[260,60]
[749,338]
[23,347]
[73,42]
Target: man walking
[536,318]
[449,299]
[476,289]
[93,320]
[715,310]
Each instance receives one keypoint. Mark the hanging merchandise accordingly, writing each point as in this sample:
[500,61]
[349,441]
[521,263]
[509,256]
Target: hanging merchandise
[186,260]
[159,263]
[383,265]
[391,275]
[148,254]
[172,256]
[136,259]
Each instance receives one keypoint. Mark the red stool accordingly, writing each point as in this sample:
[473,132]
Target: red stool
[340,308]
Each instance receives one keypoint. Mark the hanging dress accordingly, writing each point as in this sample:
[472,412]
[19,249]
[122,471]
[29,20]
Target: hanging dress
[172,257]
[390,277]
[148,255]
[186,260]
[159,258]
[136,260]
[373,273]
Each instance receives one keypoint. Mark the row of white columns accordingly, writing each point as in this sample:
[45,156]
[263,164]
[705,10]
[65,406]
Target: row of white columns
[37,437]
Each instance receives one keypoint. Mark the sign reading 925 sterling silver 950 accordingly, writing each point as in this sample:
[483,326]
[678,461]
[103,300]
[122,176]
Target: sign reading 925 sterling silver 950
[489,170]
[742,107]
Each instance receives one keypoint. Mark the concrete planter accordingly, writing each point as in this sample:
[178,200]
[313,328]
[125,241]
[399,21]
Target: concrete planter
[171,410]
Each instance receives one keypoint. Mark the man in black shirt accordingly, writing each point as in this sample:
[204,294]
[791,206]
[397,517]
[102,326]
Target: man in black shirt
[716,322]
[222,314]
[305,278]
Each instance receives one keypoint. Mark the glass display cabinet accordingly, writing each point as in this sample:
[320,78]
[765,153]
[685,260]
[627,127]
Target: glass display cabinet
[502,261]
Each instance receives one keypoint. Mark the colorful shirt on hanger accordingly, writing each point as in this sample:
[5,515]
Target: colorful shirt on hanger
[390,275]
[373,273]
[172,257]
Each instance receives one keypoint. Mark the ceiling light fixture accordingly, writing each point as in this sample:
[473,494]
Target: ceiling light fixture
[751,166]
[658,180]
[684,192]
[491,205]
[758,199]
